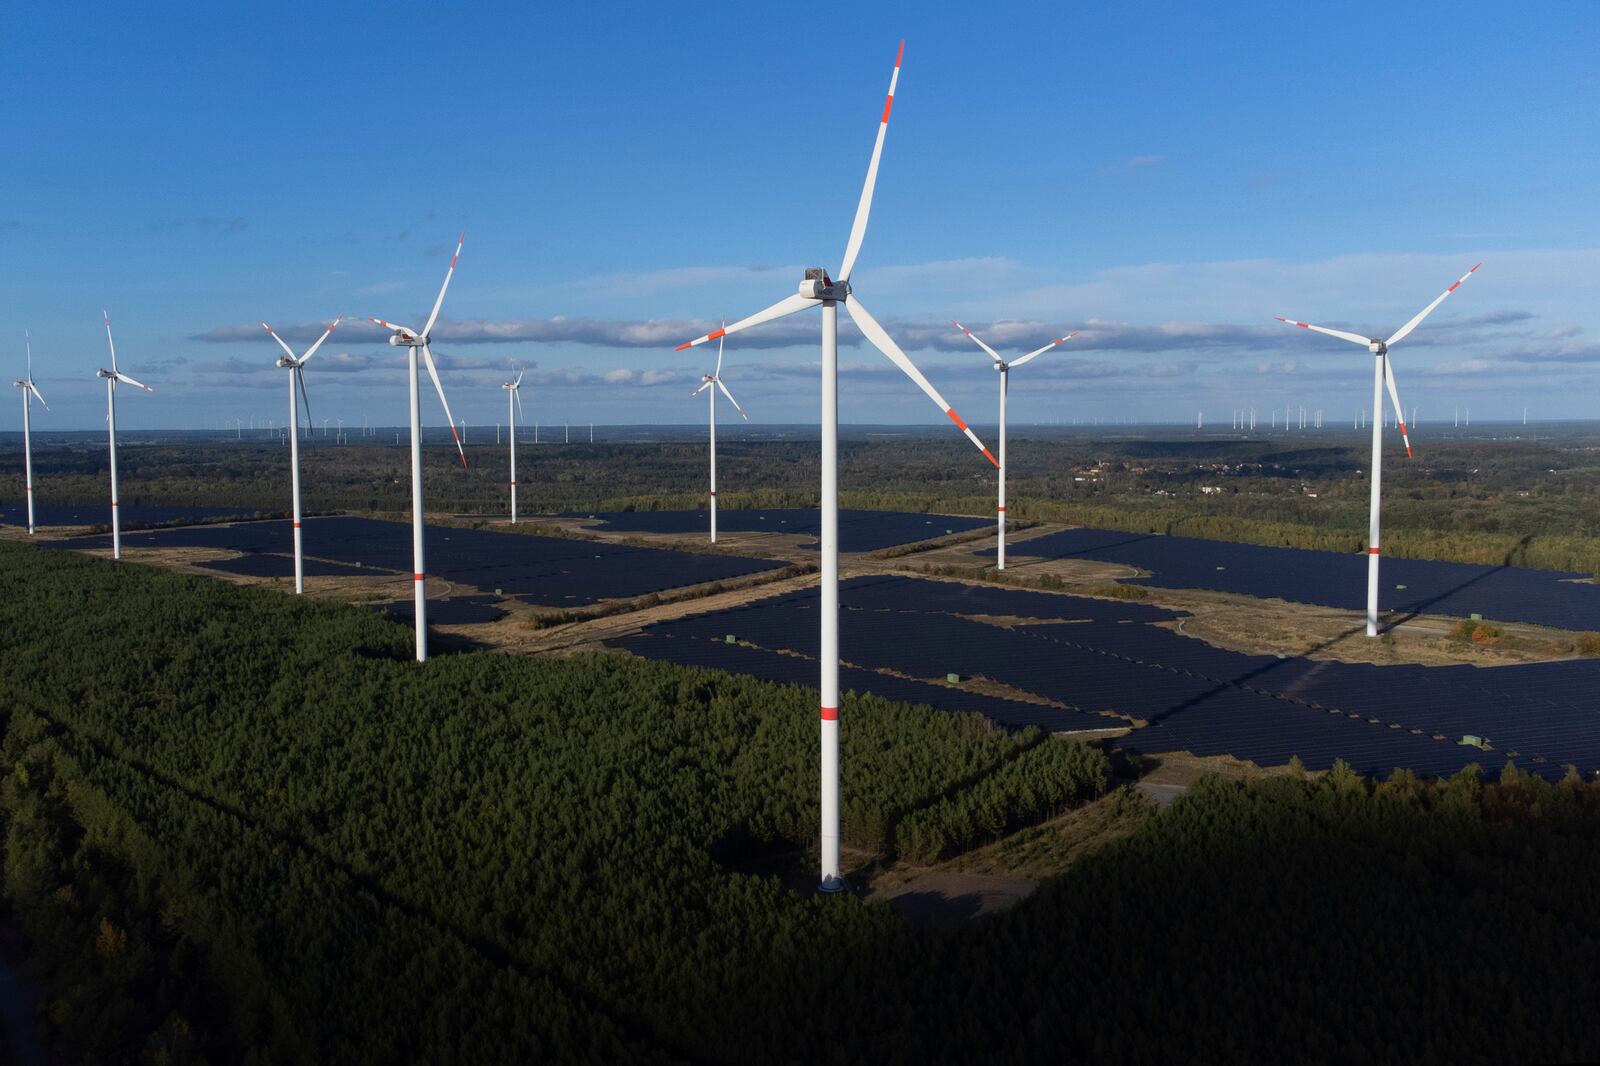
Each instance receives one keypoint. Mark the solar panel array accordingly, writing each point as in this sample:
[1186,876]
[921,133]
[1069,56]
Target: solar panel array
[1106,658]
[266,565]
[547,571]
[859,531]
[1332,579]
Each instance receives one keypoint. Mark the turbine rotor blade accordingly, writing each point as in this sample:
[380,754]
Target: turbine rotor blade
[433,372]
[325,335]
[1353,338]
[718,371]
[786,306]
[392,328]
[885,344]
[448,274]
[1040,351]
[1394,395]
[300,379]
[27,341]
[858,228]
[731,400]
[127,380]
[286,349]
[517,395]
[974,338]
[704,385]
[1405,331]
[37,394]
[109,341]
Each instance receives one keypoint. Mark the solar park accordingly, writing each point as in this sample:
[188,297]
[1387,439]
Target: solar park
[1067,663]
[546,571]
[1331,579]
[1104,664]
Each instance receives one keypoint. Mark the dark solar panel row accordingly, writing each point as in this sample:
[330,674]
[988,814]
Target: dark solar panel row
[790,669]
[892,592]
[542,570]
[1331,579]
[264,565]
[859,531]
[1194,697]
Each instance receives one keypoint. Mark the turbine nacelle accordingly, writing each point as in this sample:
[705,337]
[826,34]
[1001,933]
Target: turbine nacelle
[287,363]
[407,339]
[104,373]
[818,286]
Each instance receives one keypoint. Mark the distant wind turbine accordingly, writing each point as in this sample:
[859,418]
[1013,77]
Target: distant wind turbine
[30,392]
[712,381]
[1005,383]
[113,376]
[1382,375]
[414,341]
[297,377]
[513,393]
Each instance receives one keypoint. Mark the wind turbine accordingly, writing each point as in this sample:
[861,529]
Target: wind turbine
[413,341]
[818,289]
[30,392]
[707,382]
[113,376]
[1005,379]
[513,393]
[1382,375]
[297,376]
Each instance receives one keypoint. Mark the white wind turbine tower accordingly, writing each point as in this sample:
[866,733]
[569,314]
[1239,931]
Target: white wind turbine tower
[818,289]
[30,392]
[1005,383]
[713,381]
[414,341]
[113,376]
[513,393]
[1382,375]
[297,376]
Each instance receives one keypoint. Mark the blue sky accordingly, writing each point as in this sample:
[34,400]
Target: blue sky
[1163,177]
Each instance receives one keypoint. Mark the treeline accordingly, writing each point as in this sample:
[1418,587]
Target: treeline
[1462,500]
[483,858]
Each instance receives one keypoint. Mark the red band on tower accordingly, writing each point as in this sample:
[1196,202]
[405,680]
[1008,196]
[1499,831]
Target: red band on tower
[830,714]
